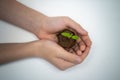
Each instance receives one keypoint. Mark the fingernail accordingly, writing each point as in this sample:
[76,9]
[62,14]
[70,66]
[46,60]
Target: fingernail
[78,60]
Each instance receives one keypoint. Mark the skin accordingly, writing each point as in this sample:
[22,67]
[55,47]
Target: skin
[45,28]
[58,56]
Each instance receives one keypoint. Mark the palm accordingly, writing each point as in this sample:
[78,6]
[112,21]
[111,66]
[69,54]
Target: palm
[51,26]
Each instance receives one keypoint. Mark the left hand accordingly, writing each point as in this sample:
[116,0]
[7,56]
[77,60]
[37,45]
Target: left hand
[51,25]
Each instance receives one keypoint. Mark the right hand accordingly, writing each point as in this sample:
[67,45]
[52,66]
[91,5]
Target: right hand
[56,55]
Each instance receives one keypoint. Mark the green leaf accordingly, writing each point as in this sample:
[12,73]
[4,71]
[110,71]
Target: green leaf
[66,34]
[75,37]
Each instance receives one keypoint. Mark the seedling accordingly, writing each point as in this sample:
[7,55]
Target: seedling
[69,35]
[67,39]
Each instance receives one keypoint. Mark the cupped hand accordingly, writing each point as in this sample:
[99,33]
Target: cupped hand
[52,25]
[56,55]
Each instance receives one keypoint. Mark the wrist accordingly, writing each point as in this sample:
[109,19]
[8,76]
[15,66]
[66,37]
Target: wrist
[37,21]
[34,48]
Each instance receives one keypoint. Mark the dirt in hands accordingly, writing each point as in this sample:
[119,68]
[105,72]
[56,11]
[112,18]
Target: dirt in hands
[67,41]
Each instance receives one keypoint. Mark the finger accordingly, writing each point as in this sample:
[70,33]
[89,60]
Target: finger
[71,51]
[82,45]
[79,53]
[61,64]
[74,51]
[77,27]
[84,55]
[77,50]
[87,40]
[69,57]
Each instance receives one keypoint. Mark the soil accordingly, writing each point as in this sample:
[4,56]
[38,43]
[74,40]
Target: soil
[66,42]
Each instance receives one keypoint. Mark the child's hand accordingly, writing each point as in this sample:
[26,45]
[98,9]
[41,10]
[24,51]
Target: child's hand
[56,55]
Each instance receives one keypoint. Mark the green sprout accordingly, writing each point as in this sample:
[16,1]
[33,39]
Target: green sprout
[69,35]
[75,37]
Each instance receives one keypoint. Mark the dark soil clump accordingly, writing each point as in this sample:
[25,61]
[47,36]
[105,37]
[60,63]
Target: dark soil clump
[66,42]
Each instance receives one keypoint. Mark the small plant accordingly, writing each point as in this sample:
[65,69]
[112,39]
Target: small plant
[69,35]
[67,38]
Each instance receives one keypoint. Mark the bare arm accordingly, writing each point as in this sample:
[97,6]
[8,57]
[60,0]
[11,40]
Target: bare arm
[15,51]
[41,49]
[44,28]
[20,15]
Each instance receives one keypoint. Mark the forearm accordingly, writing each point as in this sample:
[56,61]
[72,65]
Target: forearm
[20,15]
[14,51]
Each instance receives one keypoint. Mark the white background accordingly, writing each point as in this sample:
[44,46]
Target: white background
[101,18]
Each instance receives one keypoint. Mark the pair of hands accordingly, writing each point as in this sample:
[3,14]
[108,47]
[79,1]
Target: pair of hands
[45,28]
[51,51]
